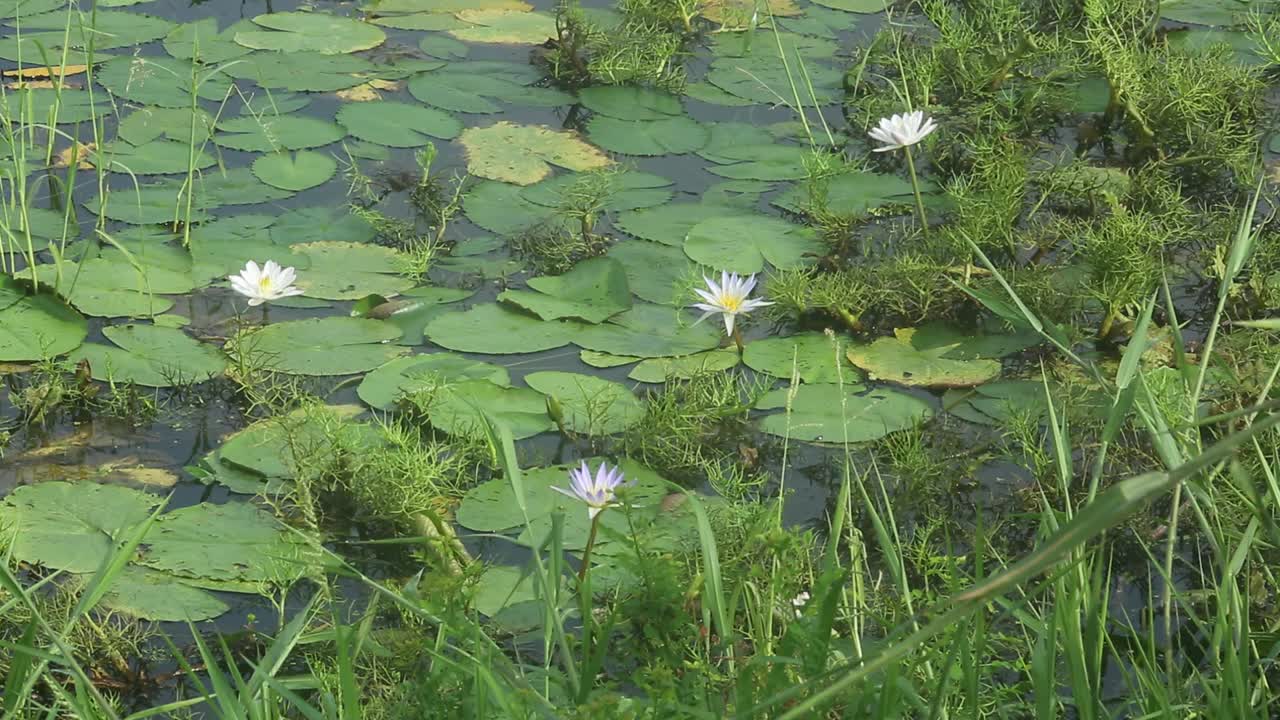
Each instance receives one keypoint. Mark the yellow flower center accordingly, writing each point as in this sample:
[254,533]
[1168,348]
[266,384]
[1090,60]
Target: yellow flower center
[730,303]
[264,284]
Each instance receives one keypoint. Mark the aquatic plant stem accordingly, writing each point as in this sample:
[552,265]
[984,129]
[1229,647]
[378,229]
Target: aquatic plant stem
[737,339]
[586,553]
[915,188]
[264,314]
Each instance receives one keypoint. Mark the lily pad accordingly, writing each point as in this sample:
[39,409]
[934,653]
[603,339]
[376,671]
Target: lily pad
[896,359]
[297,171]
[743,243]
[72,526]
[591,405]
[152,356]
[866,7]
[301,71]
[657,370]
[629,102]
[269,448]
[311,31]
[496,330]
[348,271]
[160,81]
[319,346]
[813,356]
[524,154]
[231,542]
[853,194]
[505,27]
[675,136]
[36,327]
[656,273]
[150,595]
[670,224]
[594,290]
[461,408]
[271,133]
[201,40]
[110,286]
[397,124]
[383,387]
[649,331]
[820,413]
[500,208]
[1207,12]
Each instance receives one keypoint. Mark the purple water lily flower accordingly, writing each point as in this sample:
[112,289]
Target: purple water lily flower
[596,491]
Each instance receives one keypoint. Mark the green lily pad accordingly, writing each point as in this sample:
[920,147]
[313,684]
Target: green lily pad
[669,136]
[348,271]
[496,330]
[107,29]
[301,71]
[591,405]
[397,124]
[629,102]
[298,171]
[594,290]
[505,27]
[656,273]
[1208,12]
[820,413]
[36,327]
[759,162]
[202,37]
[268,447]
[271,133]
[524,154]
[896,359]
[231,542]
[47,105]
[995,403]
[319,346]
[853,194]
[147,124]
[658,370]
[813,356]
[160,81]
[461,408]
[865,7]
[72,526]
[649,331]
[150,595]
[310,224]
[158,157]
[759,80]
[152,356]
[501,208]
[669,224]
[619,191]
[385,386]
[743,243]
[957,344]
[311,31]
[110,286]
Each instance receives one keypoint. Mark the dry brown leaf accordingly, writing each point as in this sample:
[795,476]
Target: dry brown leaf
[369,91]
[735,14]
[524,154]
[85,151]
[31,73]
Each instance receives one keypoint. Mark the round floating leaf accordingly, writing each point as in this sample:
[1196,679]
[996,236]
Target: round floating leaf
[110,286]
[443,47]
[348,271]
[677,135]
[743,243]
[152,356]
[523,154]
[820,414]
[627,102]
[450,6]
[397,124]
[619,191]
[896,359]
[150,595]
[657,370]
[382,388]
[649,331]
[670,224]
[235,541]
[72,106]
[708,93]
[495,330]
[158,157]
[745,13]
[462,408]
[505,27]
[474,88]
[319,346]
[147,124]
[36,327]
[313,31]
[814,356]
[591,405]
[301,71]
[298,171]
[866,7]
[1208,12]
[996,403]
[308,224]
[159,81]
[203,37]
[267,447]
[109,29]
[72,526]
[270,133]
[957,344]
[854,193]
[594,290]
[757,81]
[656,273]
[758,162]
[501,208]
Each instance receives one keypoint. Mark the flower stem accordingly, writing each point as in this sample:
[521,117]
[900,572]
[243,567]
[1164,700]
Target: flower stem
[915,188]
[737,338]
[586,554]
[264,313]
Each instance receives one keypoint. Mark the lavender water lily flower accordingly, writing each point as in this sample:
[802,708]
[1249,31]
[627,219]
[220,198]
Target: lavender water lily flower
[596,491]
[260,285]
[728,298]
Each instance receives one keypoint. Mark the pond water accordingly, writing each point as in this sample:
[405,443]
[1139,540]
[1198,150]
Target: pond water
[492,212]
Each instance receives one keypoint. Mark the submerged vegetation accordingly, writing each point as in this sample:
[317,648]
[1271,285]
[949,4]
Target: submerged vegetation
[353,365]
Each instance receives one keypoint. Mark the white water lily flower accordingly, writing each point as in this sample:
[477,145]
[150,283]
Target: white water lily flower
[729,298]
[271,282]
[902,131]
[596,491]
[799,601]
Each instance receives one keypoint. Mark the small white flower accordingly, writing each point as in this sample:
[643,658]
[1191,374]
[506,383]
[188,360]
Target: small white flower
[729,298]
[799,601]
[902,131]
[271,282]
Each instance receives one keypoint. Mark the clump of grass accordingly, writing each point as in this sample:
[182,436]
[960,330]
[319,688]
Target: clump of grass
[570,235]
[57,389]
[644,47]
